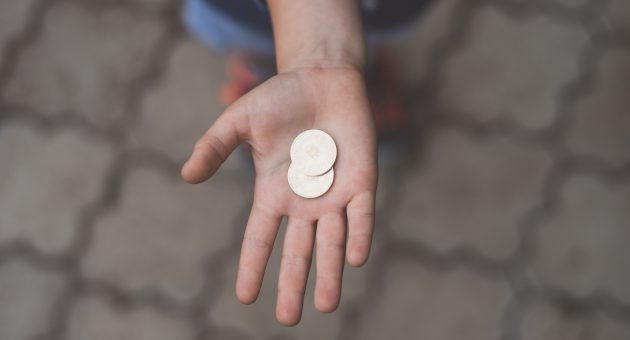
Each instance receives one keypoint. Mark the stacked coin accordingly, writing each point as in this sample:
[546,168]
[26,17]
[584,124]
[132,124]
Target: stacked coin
[313,154]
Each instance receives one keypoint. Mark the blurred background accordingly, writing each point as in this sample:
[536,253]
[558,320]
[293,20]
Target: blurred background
[507,218]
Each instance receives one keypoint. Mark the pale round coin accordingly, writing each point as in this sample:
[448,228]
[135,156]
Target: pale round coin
[313,152]
[309,186]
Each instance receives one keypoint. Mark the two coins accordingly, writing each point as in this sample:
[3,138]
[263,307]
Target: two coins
[313,154]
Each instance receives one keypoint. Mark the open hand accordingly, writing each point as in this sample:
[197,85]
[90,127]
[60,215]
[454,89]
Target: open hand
[268,119]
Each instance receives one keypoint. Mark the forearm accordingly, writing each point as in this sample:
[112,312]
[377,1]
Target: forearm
[320,33]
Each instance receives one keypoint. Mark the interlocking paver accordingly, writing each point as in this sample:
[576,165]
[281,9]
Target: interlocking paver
[178,112]
[156,3]
[98,319]
[162,232]
[418,303]
[414,51]
[602,122]
[473,193]
[570,3]
[27,298]
[45,180]
[545,322]
[83,63]
[611,329]
[583,248]
[618,14]
[511,68]
[13,14]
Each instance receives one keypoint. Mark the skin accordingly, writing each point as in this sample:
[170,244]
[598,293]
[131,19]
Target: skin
[320,85]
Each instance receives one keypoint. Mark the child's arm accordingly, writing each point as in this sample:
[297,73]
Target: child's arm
[320,57]
[323,33]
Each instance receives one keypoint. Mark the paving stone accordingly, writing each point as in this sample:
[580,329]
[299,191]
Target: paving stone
[45,180]
[185,105]
[420,304]
[415,49]
[156,3]
[563,5]
[84,62]
[472,194]
[570,3]
[389,175]
[97,319]
[511,68]
[618,14]
[544,322]
[602,123]
[519,2]
[229,333]
[610,329]
[26,300]
[162,232]
[259,319]
[583,248]
[13,15]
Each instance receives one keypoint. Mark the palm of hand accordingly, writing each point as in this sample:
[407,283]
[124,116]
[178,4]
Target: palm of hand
[268,118]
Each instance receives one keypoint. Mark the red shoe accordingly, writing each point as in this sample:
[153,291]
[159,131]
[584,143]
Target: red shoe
[241,79]
[388,97]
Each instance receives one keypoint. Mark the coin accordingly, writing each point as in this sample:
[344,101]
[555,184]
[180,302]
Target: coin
[309,186]
[313,152]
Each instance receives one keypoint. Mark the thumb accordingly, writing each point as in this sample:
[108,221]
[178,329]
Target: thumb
[214,147]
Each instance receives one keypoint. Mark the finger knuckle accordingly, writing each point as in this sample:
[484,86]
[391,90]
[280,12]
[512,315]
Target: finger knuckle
[257,242]
[296,260]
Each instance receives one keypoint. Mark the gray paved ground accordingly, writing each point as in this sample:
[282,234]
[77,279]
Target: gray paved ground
[509,218]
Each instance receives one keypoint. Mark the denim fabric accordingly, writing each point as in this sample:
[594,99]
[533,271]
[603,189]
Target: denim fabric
[222,32]
[245,25]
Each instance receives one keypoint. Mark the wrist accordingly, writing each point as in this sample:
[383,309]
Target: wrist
[322,57]
[317,34]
